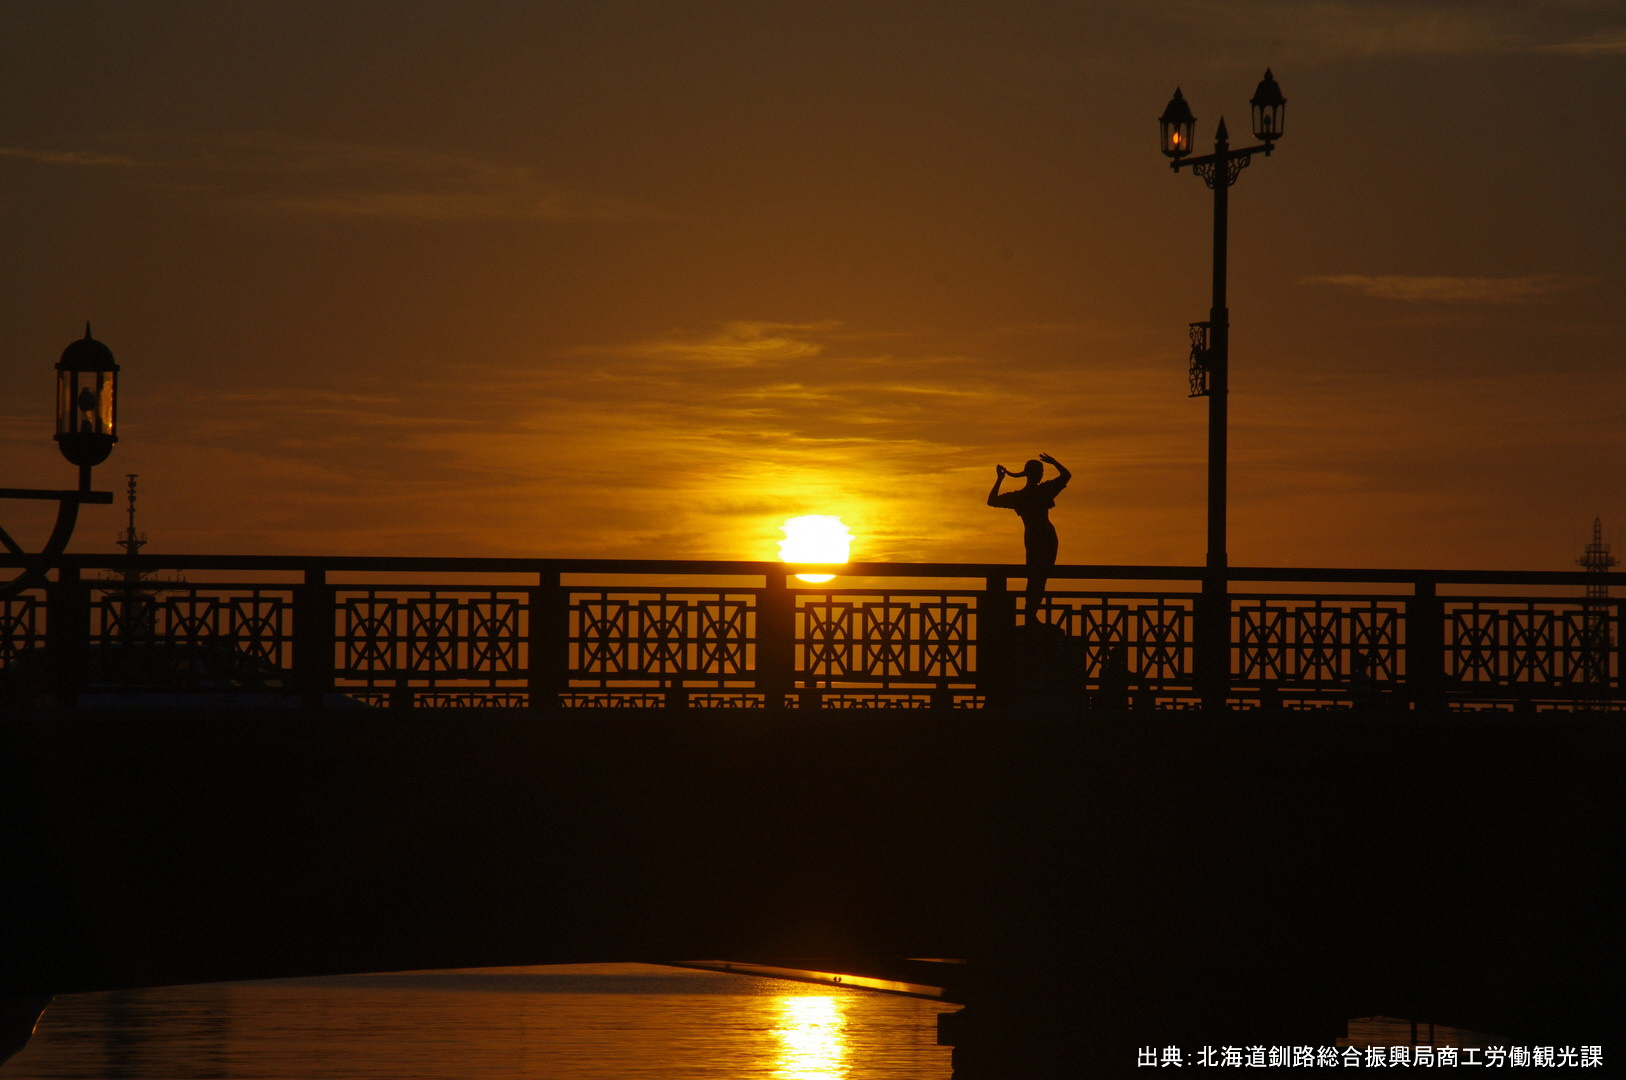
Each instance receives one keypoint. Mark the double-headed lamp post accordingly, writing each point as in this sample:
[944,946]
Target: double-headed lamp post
[1210,341]
[1210,373]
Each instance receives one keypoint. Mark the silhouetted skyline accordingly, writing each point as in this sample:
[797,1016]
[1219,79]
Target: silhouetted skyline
[646,279]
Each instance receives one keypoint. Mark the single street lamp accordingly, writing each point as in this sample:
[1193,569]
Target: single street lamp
[1210,356]
[86,429]
[86,404]
[1210,343]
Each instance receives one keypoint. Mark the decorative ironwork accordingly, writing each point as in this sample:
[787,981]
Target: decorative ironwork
[763,646]
[439,635]
[581,700]
[22,625]
[1233,163]
[674,636]
[419,698]
[1298,643]
[1153,633]
[715,700]
[1526,647]
[890,639]
[874,701]
[253,622]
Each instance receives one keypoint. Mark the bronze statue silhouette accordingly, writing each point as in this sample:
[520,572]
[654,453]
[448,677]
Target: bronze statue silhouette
[1032,504]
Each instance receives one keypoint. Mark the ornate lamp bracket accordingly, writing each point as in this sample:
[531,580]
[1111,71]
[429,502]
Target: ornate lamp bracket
[1222,169]
[67,515]
[1199,359]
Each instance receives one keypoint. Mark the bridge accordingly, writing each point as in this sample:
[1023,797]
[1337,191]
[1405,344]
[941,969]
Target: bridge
[1408,803]
[546,633]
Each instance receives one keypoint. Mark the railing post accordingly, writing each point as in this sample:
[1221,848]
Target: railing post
[776,640]
[1211,660]
[67,634]
[313,638]
[548,670]
[996,631]
[1425,648]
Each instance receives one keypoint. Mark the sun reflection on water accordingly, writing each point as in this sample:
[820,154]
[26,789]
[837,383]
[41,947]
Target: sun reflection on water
[812,1044]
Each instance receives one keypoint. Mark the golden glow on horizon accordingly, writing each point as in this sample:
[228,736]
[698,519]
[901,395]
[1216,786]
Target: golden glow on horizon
[815,538]
[811,1042]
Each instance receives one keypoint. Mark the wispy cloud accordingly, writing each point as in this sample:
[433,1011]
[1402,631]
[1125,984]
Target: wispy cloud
[1333,28]
[1610,42]
[89,158]
[1328,29]
[272,174]
[1457,290]
[735,344]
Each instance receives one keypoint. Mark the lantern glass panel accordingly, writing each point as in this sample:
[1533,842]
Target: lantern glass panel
[1177,138]
[86,403]
[67,389]
[1267,121]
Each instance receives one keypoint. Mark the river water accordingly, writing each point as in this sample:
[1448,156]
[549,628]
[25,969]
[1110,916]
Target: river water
[577,1022]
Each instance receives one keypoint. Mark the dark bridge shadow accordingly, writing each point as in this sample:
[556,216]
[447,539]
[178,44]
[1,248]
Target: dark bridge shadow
[1114,883]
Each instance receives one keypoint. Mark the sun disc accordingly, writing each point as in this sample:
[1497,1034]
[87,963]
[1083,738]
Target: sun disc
[815,538]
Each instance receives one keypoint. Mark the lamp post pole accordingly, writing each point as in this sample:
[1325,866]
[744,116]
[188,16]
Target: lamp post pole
[1210,373]
[1219,176]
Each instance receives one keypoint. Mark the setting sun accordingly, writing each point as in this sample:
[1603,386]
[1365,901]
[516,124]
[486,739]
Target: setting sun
[815,538]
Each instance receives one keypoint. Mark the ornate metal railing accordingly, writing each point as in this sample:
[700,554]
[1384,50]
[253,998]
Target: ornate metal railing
[586,633]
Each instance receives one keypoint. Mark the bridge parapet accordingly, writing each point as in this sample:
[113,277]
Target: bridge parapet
[671,634]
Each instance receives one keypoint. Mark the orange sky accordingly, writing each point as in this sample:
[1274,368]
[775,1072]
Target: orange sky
[646,278]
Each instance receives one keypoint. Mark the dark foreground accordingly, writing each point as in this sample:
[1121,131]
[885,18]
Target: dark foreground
[1113,881]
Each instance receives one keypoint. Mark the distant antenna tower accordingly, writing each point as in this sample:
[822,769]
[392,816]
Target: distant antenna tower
[131,540]
[135,614]
[1597,560]
[1595,636]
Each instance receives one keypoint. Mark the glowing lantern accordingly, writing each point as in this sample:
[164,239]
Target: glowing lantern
[1175,126]
[86,401]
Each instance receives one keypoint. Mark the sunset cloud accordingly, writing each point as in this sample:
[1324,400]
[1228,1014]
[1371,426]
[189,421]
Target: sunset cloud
[272,174]
[1456,290]
[1329,29]
[88,158]
[1333,28]
[1602,43]
[736,344]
